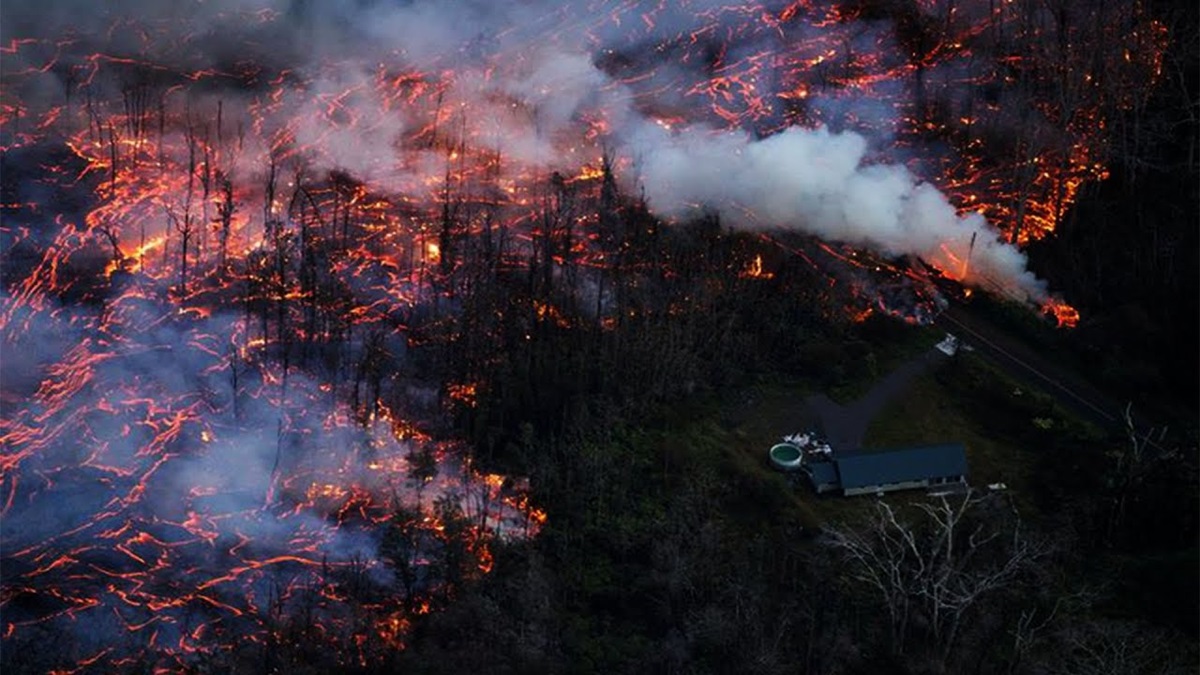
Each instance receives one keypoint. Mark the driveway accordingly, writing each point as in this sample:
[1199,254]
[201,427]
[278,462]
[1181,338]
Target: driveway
[845,426]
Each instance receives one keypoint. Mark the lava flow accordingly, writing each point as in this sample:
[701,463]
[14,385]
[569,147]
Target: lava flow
[165,491]
[224,223]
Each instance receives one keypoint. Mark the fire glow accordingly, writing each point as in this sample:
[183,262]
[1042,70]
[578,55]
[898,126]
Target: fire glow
[184,454]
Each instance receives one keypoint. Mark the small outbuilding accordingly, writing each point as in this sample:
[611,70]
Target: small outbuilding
[823,476]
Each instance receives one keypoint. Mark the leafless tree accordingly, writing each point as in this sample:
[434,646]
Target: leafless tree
[110,235]
[1132,464]
[225,210]
[238,367]
[113,140]
[1105,646]
[206,185]
[1039,623]
[369,374]
[934,568]
[184,226]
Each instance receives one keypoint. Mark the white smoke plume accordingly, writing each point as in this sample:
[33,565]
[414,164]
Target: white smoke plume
[817,181]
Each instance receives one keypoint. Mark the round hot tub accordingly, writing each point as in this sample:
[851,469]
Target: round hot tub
[786,456]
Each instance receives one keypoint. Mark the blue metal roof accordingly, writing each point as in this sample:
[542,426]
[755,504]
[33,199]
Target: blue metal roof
[864,469]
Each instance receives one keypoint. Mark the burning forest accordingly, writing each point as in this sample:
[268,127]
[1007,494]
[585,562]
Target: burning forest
[257,255]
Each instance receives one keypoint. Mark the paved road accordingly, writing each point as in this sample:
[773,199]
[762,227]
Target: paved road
[1023,363]
[845,425]
[1066,386]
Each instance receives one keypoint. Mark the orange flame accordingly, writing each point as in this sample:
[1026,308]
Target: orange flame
[463,393]
[433,252]
[1065,315]
[754,270]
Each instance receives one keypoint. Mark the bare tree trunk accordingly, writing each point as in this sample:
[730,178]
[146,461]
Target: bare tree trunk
[225,211]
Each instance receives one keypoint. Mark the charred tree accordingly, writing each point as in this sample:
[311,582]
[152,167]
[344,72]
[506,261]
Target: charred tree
[225,210]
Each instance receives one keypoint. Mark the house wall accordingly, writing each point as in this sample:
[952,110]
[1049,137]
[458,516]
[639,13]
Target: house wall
[887,487]
[905,485]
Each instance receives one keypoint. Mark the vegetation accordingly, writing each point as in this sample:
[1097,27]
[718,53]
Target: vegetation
[641,414]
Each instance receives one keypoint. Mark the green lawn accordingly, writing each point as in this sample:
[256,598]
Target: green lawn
[763,416]
[929,413]
[1003,424]
[725,437]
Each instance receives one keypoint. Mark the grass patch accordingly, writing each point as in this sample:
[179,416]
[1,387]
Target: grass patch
[1003,424]
[880,346]
[766,413]
[726,438]
[758,419]
[928,413]
[1007,427]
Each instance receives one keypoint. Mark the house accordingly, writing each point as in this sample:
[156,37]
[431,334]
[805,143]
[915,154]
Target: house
[874,471]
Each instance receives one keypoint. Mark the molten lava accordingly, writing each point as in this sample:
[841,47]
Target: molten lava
[1065,315]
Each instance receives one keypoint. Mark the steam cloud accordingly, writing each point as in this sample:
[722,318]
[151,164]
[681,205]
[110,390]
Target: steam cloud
[817,181]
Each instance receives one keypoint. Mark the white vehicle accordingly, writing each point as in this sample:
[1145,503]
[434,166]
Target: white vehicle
[948,345]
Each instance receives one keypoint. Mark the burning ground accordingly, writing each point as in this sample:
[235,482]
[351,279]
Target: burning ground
[234,232]
[158,501]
